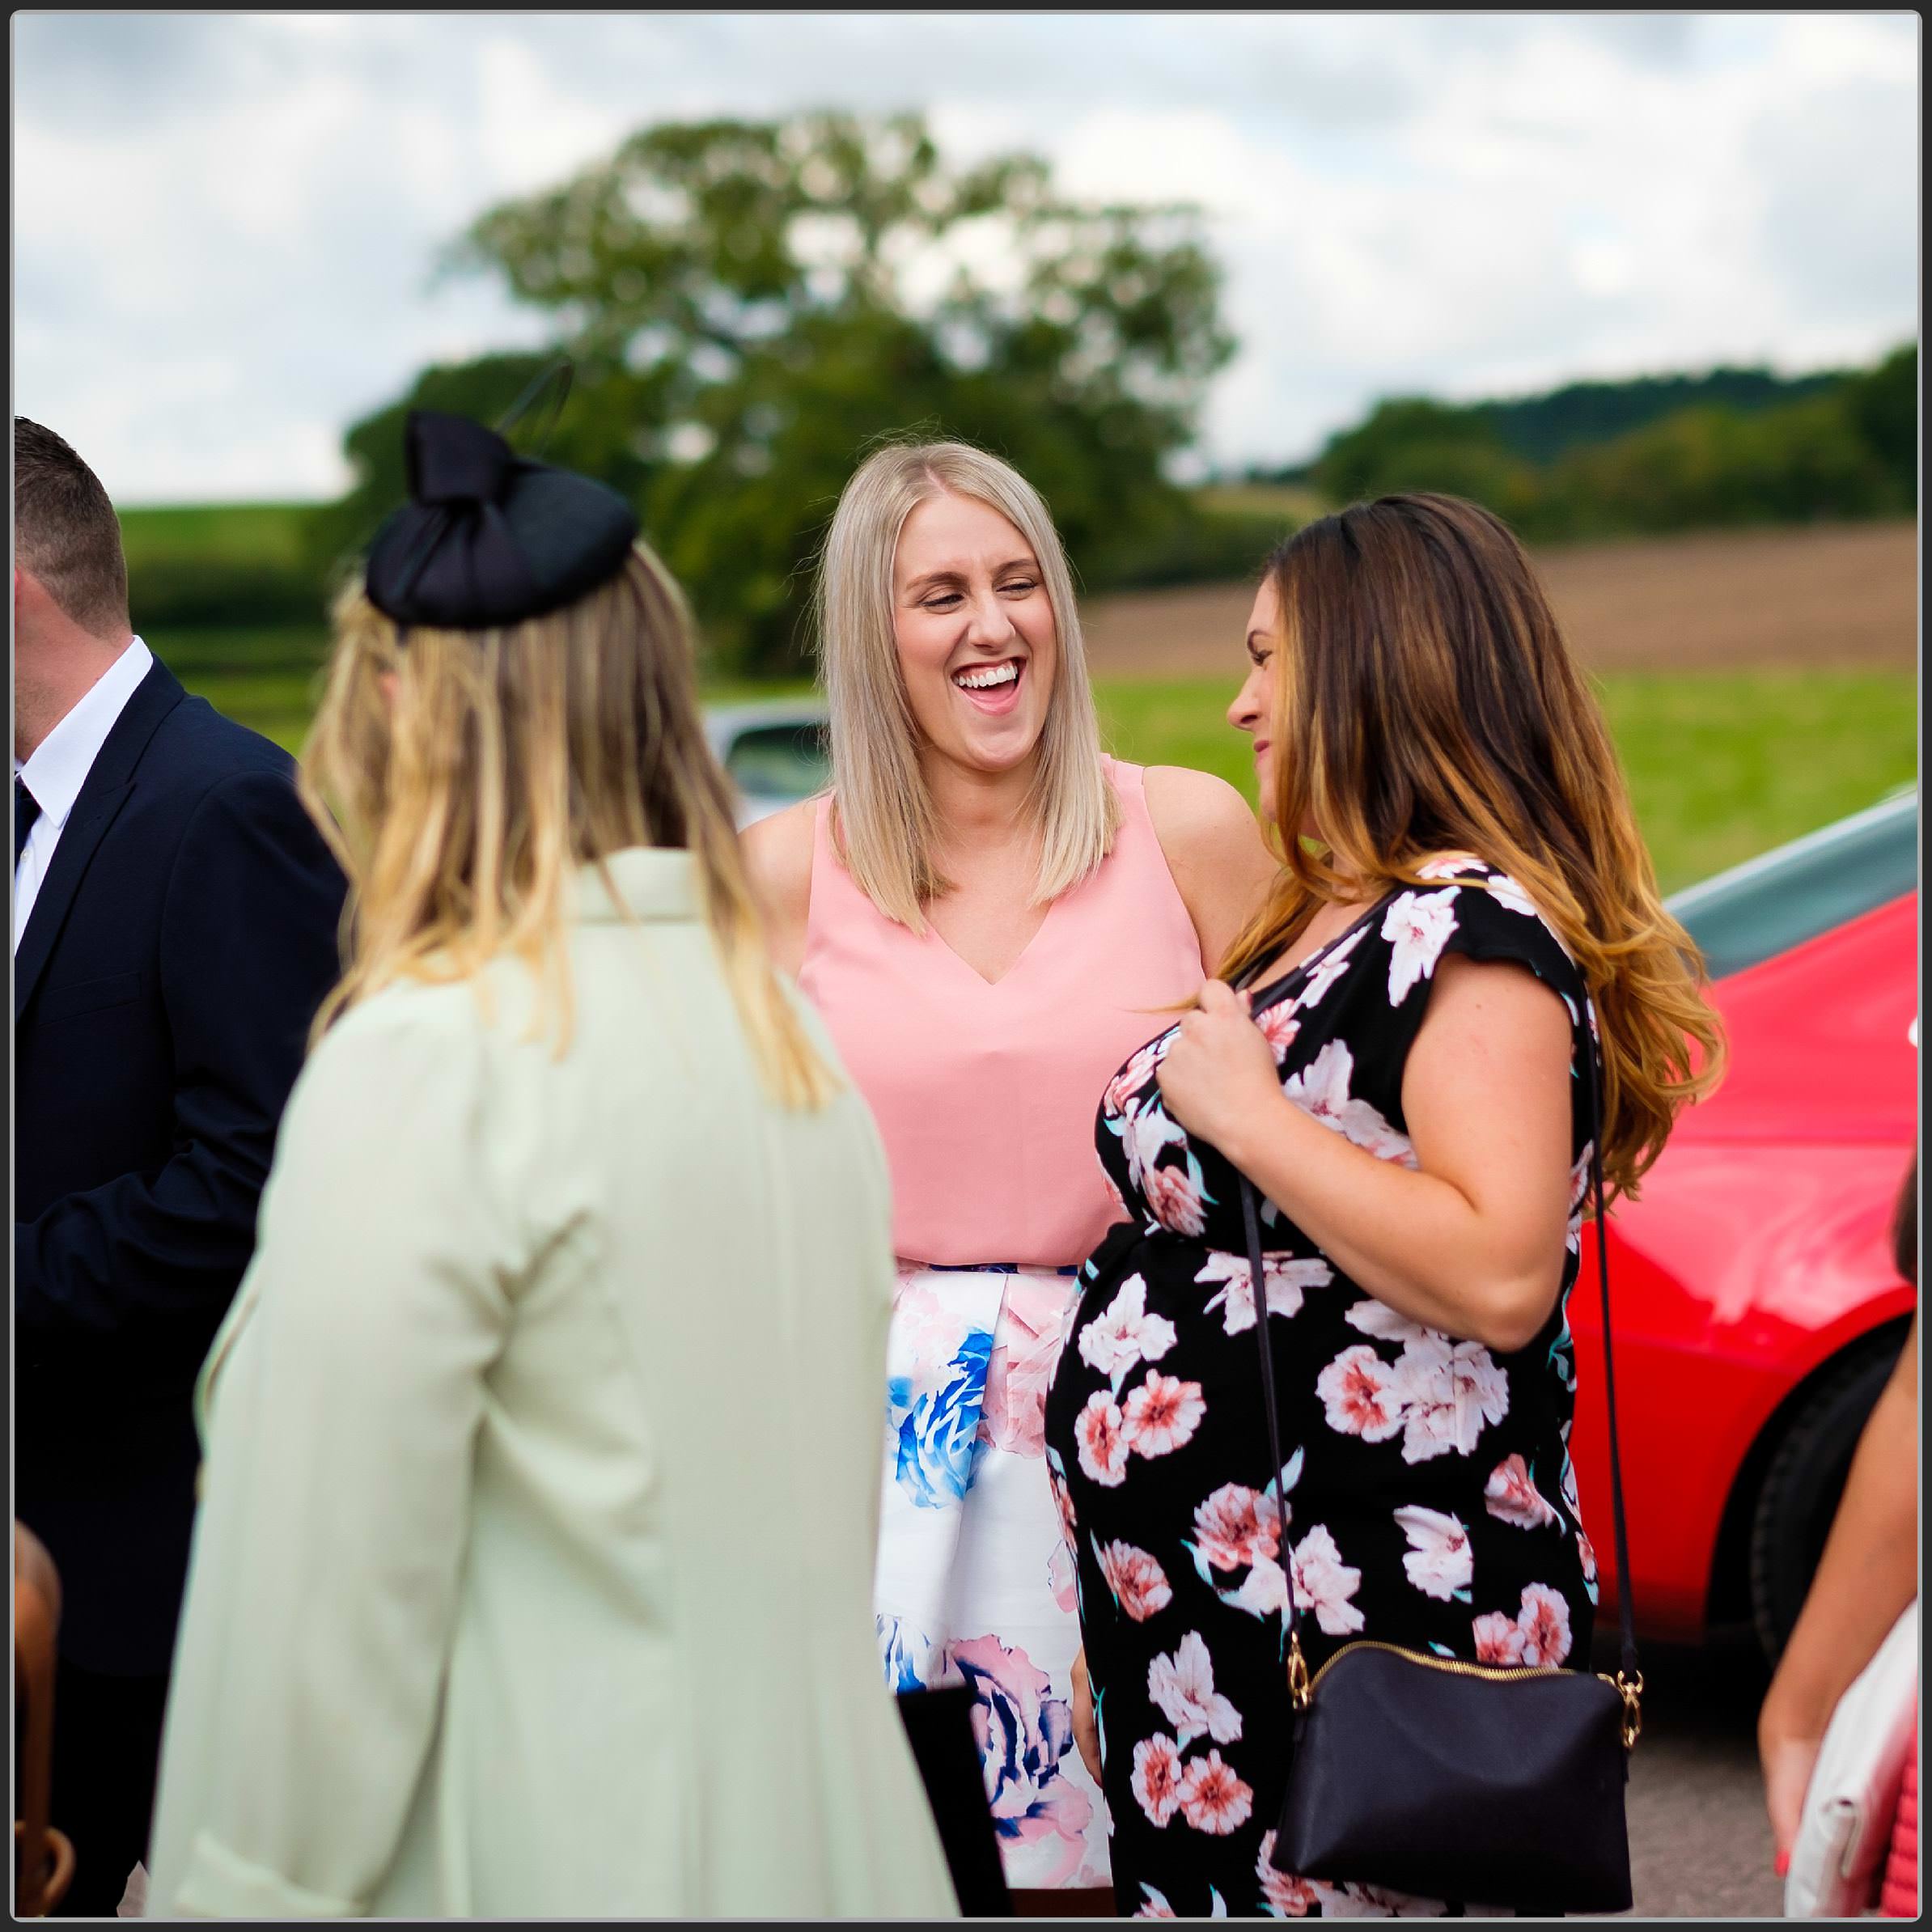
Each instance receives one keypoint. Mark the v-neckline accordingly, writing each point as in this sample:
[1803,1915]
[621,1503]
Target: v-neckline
[1019,959]
[1275,989]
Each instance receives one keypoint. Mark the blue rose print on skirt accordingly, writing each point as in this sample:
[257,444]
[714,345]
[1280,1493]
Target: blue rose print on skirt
[935,1425]
[905,1652]
[975,1583]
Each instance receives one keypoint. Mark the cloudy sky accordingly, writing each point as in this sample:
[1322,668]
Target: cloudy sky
[225,225]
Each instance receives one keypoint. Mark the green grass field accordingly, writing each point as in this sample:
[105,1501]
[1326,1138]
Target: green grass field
[269,532]
[1721,764]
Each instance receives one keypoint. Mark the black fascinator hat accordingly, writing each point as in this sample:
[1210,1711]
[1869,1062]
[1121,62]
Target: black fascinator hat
[489,537]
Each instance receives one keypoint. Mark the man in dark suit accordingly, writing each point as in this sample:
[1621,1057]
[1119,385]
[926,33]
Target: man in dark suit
[174,929]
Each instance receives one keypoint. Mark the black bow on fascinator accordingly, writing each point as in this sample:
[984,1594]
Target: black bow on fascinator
[489,537]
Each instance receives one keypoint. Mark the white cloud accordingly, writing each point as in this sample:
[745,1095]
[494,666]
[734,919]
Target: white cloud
[225,225]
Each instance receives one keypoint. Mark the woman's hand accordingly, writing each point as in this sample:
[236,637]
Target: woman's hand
[1788,1758]
[1219,1075]
[1087,1728]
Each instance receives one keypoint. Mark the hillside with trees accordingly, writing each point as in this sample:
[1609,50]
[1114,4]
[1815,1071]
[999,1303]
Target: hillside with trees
[1745,449]
[750,305]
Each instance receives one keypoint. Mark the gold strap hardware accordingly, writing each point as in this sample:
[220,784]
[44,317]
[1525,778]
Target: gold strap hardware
[1631,1689]
[1298,1672]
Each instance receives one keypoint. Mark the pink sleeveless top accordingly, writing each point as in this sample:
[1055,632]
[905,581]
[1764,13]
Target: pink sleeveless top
[985,1093]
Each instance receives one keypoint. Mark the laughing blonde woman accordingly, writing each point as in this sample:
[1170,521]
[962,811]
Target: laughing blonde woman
[573,1237]
[987,910]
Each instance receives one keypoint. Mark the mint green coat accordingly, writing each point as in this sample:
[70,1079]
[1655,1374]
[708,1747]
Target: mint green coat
[532,1574]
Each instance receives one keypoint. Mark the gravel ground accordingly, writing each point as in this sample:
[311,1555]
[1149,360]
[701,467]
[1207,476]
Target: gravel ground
[1700,1842]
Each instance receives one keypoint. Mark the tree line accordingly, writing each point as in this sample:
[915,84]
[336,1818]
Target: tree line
[1736,447]
[749,305]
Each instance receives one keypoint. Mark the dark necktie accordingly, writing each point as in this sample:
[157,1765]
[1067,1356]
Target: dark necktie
[27,808]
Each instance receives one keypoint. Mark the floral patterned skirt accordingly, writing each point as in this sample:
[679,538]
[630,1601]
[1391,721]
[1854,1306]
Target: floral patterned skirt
[975,1583]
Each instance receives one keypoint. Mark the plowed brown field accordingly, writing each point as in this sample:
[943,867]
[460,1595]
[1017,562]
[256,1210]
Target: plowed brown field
[1844,595]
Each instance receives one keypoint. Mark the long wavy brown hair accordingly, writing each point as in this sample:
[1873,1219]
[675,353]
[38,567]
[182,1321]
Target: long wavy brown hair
[462,799]
[1426,704]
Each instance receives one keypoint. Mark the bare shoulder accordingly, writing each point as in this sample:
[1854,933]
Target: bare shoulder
[1214,849]
[1194,810]
[778,856]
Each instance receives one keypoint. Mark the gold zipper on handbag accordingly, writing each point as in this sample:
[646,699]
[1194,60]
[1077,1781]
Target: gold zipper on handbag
[1301,1687]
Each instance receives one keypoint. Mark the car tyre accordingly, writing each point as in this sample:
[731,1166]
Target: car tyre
[1803,1482]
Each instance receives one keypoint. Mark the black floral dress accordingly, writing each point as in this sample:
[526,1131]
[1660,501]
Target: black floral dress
[1430,1497]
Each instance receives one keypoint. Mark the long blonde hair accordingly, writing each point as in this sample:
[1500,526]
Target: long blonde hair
[508,758]
[1426,704]
[884,814]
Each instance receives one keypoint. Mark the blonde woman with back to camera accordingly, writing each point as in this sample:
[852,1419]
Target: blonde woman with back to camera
[989,913]
[512,1596]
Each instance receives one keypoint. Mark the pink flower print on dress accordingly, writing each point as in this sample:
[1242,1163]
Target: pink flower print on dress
[1440,1561]
[1321,1088]
[1025,1351]
[1538,1634]
[1506,891]
[1566,1480]
[1264,1591]
[1125,1087]
[1332,966]
[1498,1638]
[1417,926]
[1176,1198]
[1235,1526]
[1182,1688]
[1378,1319]
[1287,1278]
[1102,1440]
[1154,1904]
[1139,1584]
[1511,1496]
[1587,1556]
[1279,1024]
[1324,1583]
[1361,1394]
[1161,1414]
[1123,1334]
[1448,1390]
[1213,1799]
[1451,865]
[1063,1499]
[1545,1625]
[1579,1186]
[1157,1777]
[1283,1893]
[1144,1134]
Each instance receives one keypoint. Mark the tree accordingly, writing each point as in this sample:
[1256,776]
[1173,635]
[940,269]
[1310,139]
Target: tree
[1415,443]
[751,304]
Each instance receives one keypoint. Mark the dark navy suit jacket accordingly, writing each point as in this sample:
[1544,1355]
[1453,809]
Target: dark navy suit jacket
[184,936]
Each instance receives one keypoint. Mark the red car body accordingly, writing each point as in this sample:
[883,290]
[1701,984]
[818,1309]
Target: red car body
[1760,1248]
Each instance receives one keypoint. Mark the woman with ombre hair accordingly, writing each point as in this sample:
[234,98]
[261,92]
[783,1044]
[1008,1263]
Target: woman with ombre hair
[513,1594]
[1464,946]
[986,909]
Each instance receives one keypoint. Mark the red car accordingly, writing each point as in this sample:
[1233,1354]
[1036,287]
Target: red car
[1757,1307]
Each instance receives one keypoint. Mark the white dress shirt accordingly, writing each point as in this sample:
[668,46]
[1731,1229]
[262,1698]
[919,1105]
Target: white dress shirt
[59,768]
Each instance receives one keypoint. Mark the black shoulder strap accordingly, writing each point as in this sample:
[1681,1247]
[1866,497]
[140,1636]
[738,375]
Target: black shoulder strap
[1626,1617]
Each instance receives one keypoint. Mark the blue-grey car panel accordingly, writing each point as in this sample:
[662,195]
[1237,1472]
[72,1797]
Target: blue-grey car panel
[1778,901]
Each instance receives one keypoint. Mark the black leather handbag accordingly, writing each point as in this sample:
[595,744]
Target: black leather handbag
[1502,1786]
